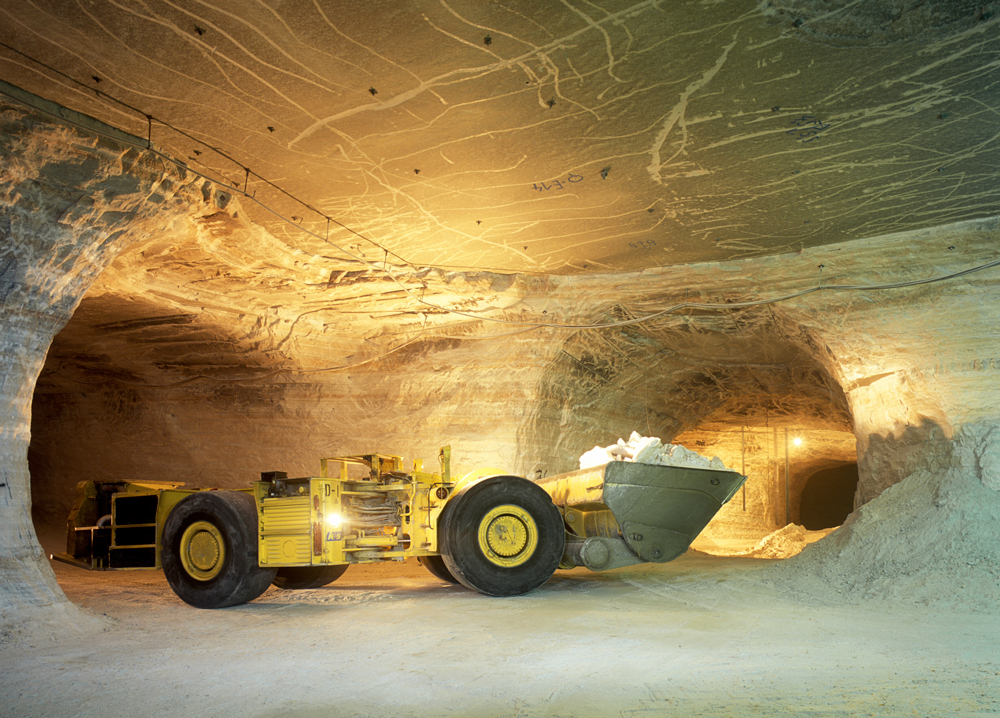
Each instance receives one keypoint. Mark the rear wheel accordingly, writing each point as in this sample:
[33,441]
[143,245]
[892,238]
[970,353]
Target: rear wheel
[297,578]
[502,536]
[435,564]
[209,550]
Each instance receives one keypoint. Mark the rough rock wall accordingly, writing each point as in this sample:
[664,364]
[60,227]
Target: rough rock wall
[62,222]
[918,365]
[209,433]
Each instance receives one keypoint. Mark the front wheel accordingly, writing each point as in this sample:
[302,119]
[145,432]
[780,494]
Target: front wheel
[502,536]
[209,550]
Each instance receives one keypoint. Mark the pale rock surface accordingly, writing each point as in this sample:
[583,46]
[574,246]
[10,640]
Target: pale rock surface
[978,451]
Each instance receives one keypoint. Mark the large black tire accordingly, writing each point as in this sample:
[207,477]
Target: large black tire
[297,578]
[209,550]
[502,536]
[435,564]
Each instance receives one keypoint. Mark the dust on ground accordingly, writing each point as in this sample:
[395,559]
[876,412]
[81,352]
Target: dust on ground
[785,542]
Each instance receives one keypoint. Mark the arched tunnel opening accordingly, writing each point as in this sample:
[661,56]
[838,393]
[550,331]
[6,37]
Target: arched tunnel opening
[747,386]
[135,389]
[828,496]
[780,462]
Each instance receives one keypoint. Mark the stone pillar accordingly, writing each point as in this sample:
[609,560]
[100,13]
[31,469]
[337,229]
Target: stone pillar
[68,203]
[25,578]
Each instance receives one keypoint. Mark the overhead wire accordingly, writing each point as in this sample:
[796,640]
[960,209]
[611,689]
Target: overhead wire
[239,380]
[715,305]
[149,146]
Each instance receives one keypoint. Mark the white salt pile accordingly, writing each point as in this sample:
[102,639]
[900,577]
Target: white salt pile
[786,542]
[649,450]
[933,539]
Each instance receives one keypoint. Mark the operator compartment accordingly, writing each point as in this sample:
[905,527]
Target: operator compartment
[114,524]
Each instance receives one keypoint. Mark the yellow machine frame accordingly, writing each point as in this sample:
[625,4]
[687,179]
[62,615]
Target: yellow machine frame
[301,522]
[305,522]
[492,532]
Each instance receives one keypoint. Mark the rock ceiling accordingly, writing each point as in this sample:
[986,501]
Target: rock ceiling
[550,138]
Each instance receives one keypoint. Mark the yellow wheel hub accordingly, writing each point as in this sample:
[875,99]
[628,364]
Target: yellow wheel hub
[508,535]
[202,550]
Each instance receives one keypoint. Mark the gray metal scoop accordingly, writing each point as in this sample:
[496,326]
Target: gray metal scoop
[623,513]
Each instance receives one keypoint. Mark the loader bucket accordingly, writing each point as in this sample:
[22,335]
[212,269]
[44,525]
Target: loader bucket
[655,511]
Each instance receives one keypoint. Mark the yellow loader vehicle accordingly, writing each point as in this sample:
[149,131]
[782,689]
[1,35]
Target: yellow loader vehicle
[492,532]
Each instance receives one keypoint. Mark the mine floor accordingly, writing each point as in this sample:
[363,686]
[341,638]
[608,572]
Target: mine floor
[701,636]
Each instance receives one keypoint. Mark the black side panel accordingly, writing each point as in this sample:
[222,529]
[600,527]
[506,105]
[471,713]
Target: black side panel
[135,509]
[133,557]
[135,535]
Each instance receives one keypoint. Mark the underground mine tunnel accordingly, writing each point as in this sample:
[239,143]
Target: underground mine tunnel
[237,238]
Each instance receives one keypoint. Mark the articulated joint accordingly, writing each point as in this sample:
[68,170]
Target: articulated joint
[598,553]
